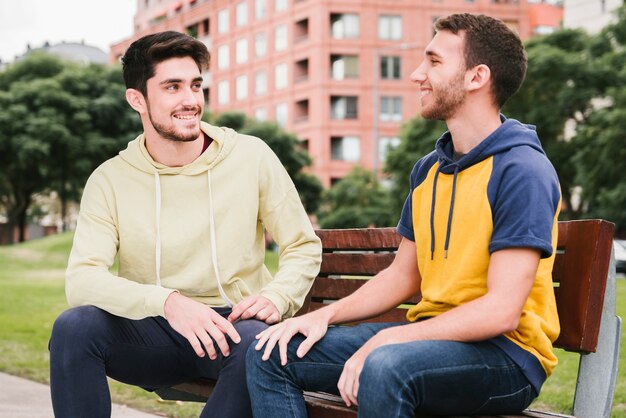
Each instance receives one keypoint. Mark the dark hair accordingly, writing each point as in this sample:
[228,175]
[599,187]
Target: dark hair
[490,42]
[142,56]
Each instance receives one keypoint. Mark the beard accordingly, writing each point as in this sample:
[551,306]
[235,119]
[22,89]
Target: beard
[170,132]
[446,99]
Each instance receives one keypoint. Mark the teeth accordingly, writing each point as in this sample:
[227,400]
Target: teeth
[186,117]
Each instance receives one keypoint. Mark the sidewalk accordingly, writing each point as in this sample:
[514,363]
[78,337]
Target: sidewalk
[21,398]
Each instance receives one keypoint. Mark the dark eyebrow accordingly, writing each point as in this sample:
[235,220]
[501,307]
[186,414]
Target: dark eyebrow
[431,53]
[178,80]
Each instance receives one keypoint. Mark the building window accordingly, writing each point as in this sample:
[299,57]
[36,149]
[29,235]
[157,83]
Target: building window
[260,82]
[344,66]
[241,87]
[281,75]
[260,114]
[390,68]
[280,38]
[301,72]
[223,92]
[390,27]
[301,111]
[281,114]
[281,5]
[344,25]
[386,144]
[391,109]
[260,9]
[301,30]
[260,44]
[222,21]
[344,107]
[241,14]
[223,57]
[241,51]
[345,148]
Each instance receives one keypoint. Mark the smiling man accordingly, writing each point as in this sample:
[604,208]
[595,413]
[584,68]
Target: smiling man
[479,230]
[184,208]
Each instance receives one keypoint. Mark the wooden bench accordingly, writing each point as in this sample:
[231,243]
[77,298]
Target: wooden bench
[584,284]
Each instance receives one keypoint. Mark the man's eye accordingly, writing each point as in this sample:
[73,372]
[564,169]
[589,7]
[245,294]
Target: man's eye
[197,86]
[172,87]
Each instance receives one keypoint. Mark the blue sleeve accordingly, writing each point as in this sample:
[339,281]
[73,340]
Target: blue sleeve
[524,195]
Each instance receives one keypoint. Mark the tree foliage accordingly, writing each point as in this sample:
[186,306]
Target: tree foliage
[58,121]
[287,147]
[356,201]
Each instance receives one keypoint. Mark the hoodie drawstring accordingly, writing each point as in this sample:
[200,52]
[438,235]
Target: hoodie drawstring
[157,249]
[432,215]
[449,226]
[213,244]
[450,213]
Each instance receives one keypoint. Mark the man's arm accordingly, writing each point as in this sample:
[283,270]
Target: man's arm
[509,281]
[385,291]
[299,249]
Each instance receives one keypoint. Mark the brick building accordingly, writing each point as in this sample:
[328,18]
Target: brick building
[334,72]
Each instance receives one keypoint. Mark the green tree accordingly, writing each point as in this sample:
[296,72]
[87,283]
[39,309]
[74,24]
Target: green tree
[287,147]
[356,201]
[565,73]
[58,122]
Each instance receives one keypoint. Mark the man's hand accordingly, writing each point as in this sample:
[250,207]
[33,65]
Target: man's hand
[313,326]
[348,384]
[255,306]
[198,324]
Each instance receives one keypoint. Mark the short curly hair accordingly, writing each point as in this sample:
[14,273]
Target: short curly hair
[490,42]
[142,56]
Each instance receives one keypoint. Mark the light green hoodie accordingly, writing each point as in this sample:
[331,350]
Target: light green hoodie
[197,229]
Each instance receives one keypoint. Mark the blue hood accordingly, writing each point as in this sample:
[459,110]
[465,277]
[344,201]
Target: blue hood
[510,134]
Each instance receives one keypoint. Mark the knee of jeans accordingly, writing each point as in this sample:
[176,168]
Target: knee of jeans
[380,367]
[248,330]
[74,326]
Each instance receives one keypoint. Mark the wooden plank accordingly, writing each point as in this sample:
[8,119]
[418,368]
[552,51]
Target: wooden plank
[326,288]
[355,264]
[581,271]
[354,239]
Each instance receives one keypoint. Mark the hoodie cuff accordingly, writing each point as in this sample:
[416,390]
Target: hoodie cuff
[155,301]
[279,302]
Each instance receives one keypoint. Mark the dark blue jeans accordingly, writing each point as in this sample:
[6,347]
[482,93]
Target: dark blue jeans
[89,344]
[399,380]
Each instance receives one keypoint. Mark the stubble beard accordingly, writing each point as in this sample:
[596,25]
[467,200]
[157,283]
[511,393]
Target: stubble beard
[170,132]
[447,100]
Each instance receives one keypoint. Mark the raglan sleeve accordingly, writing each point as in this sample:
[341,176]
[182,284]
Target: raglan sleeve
[525,197]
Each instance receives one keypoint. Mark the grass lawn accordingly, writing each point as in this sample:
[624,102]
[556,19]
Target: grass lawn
[32,295]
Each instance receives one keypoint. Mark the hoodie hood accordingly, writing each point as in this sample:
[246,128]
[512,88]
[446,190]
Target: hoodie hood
[136,153]
[509,135]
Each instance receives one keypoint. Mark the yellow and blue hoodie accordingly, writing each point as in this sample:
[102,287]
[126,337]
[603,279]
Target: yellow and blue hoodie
[197,229]
[504,193]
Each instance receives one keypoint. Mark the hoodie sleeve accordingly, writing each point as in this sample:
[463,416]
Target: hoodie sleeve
[300,250]
[88,280]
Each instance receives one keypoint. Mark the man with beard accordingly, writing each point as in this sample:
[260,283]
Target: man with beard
[184,209]
[479,230]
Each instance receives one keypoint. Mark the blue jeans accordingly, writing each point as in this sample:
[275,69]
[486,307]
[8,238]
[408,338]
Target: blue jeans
[399,380]
[89,344]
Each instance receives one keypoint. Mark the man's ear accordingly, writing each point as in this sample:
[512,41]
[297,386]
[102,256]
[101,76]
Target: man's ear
[478,77]
[136,100]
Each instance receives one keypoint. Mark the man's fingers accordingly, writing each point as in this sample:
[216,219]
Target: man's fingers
[227,328]
[208,345]
[239,308]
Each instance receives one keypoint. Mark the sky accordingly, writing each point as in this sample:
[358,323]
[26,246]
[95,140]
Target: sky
[96,22]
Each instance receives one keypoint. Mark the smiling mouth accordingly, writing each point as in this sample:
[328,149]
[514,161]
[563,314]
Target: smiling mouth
[186,117]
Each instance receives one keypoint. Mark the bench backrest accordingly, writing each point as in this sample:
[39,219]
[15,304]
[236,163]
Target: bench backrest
[351,256]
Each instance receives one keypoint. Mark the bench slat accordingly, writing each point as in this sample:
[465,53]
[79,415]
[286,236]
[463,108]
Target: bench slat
[354,239]
[354,264]
[586,247]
